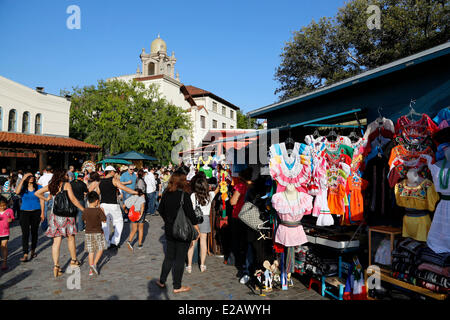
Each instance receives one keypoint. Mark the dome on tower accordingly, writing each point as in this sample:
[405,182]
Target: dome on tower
[158,45]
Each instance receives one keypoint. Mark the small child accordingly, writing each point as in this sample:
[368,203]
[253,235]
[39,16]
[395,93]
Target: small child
[6,217]
[95,241]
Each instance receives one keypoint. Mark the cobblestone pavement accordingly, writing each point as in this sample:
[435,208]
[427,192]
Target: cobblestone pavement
[125,275]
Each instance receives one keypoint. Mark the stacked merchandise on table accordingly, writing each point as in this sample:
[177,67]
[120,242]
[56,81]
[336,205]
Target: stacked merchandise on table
[318,265]
[415,263]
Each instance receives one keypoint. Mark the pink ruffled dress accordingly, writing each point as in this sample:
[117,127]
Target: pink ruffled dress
[292,169]
[291,211]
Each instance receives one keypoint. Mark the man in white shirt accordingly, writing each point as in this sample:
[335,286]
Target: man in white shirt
[43,181]
[150,181]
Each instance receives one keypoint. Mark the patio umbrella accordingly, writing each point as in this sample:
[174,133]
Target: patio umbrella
[116,161]
[133,155]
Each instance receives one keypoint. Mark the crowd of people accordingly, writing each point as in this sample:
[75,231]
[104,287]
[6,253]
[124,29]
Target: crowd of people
[99,199]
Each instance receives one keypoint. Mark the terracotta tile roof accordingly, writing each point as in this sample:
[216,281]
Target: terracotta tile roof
[44,141]
[158,76]
[197,92]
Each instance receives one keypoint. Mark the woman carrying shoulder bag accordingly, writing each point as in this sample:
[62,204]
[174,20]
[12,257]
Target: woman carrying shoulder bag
[201,198]
[63,224]
[176,250]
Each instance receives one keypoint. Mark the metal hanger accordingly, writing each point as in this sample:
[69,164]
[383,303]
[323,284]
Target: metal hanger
[332,133]
[354,135]
[261,226]
[413,112]
[289,143]
[380,117]
[316,134]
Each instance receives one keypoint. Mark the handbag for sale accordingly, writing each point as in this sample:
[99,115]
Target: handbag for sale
[198,212]
[250,215]
[183,229]
[62,206]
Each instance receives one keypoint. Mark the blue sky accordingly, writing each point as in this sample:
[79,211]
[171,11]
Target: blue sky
[231,48]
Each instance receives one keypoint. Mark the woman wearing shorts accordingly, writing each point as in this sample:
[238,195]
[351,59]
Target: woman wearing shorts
[202,197]
[138,201]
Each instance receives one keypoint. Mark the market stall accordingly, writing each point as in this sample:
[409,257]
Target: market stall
[367,179]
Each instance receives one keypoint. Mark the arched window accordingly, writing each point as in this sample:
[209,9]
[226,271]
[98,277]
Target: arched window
[26,122]
[38,124]
[151,69]
[12,120]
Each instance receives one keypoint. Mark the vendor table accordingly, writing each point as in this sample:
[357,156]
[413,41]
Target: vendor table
[382,229]
[384,276]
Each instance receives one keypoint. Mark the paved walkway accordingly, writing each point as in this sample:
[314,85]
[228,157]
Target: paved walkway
[124,275]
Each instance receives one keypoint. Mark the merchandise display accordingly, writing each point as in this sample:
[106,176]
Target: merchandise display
[324,193]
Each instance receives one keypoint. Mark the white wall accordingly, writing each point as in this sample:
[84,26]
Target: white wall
[218,115]
[54,110]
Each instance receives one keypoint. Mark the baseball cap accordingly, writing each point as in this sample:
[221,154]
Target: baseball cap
[123,168]
[110,168]
[132,166]
[80,175]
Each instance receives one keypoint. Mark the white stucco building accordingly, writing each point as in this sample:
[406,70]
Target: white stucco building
[34,129]
[26,110]
[207,110]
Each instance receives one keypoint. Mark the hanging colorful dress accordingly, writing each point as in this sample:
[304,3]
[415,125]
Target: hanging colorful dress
[290,232]
[439,235]
[318,185]
[418,201]
[287,169]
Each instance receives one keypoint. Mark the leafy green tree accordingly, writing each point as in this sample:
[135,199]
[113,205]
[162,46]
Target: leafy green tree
[333,49]
[121,116]
[245,122]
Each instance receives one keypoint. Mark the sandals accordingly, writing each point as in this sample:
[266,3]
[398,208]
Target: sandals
[182,289]
[24,258]
[75,263]
[202,268]
[189,269]
[159,284]
[33,255]
[57,272]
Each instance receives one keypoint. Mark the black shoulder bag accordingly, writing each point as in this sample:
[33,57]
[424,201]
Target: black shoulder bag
[62,206]
[198,211]
[183,230]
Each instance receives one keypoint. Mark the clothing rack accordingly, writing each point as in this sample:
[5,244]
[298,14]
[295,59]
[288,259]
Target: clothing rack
[330,125]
